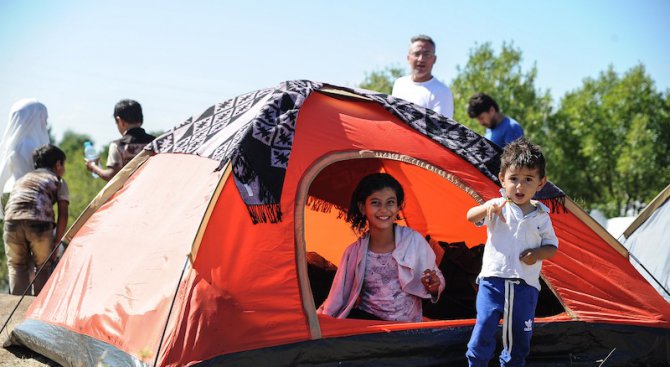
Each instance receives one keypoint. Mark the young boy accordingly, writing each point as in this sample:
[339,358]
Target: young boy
[129,119]
[520,236]
[29,219]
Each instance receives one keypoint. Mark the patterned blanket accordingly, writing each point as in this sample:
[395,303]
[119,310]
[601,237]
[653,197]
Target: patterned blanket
[255,133]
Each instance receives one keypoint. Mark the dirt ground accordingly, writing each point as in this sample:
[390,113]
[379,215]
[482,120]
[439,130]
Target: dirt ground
[17,356]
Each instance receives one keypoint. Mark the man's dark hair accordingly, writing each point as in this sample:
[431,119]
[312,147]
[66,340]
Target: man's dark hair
[522,153]
[422,37]
[368,185]
[129,111]
[47,155]
[480,103]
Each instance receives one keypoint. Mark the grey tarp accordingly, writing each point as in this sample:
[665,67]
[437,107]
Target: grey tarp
[648,241]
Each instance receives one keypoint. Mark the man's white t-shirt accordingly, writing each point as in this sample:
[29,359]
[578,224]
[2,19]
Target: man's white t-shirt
[432,94]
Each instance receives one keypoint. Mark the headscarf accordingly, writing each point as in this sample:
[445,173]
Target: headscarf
[26,131]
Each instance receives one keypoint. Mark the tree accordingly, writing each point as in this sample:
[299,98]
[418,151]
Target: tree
[82,186]
[610,141]
[382,80]
[502,77]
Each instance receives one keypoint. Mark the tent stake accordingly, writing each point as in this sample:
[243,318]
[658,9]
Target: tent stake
[167,319]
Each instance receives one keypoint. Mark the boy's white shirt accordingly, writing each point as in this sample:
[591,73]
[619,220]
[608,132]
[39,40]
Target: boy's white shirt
[507,240]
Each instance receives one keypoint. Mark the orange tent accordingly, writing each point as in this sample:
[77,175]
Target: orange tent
[200,251]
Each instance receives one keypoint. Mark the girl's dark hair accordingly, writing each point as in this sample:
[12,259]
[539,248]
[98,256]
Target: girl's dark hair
[365,188]
[47,155]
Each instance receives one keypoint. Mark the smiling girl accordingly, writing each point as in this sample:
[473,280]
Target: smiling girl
[390,268]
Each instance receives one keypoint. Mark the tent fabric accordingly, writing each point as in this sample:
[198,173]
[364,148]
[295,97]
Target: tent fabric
[255,132]
[116,280]
[648,241]
[316,138]
[554,345]
[260,146]
[642,217]
[215,268]
[82,350]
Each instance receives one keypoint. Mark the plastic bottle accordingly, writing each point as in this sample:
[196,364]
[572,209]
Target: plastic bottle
[91,155]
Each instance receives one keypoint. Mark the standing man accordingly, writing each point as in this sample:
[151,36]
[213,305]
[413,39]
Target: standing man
[500,129]
[128,117]
[421,87]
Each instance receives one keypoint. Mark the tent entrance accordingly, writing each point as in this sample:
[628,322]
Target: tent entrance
[435,205]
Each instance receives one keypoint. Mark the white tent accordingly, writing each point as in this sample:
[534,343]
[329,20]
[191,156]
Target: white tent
[617,225]
[648,242]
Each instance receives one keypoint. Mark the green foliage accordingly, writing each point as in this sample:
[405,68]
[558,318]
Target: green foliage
[610,140]
[607,144]
[502,77]
[382,80]
[83,187]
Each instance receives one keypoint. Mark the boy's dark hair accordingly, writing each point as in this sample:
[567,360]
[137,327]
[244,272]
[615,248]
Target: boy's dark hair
[129,110]
[47,155]
[522,153]
[366,186]
[422,37]
[480,103]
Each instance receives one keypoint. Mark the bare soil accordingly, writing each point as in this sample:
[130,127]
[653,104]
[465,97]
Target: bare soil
[17,356]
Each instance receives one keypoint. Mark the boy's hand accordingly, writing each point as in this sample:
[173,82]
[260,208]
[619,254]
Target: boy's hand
[495,209]
[54,255]
[431,281]
[529,257]
[90,164]
[533,255]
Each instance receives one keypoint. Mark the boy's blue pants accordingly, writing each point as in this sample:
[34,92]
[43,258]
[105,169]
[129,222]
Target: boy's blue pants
[514,301]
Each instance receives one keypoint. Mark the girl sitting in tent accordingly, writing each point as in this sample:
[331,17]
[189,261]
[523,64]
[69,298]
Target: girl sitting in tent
[390,268]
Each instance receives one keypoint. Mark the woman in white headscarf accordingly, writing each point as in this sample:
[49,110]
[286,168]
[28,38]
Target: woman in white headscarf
[26,130]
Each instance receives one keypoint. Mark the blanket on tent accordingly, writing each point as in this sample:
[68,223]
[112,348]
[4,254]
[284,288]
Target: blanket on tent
[258,140]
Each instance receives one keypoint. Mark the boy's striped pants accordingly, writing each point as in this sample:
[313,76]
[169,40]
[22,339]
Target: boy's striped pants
[514,301]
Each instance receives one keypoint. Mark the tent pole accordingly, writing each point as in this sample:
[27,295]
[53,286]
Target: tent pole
[650,274]
[167,319]
[25,291]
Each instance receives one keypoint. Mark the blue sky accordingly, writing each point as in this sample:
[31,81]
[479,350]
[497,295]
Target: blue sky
[178,58]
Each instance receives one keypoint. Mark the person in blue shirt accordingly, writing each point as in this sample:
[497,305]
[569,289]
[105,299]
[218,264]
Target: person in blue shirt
[500,129]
